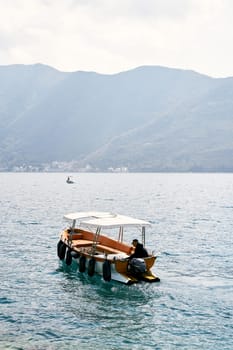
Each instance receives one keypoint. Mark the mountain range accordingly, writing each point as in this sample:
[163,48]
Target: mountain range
[150,118]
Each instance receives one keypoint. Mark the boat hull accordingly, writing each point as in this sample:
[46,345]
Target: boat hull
[111,267]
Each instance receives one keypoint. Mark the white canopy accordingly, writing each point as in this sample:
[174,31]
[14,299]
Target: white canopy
[105,219]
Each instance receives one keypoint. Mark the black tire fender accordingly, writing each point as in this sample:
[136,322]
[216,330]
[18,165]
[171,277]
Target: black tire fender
[68,257]
[107,270]
[91,267]
[62,251]
[59,244]
[82,263]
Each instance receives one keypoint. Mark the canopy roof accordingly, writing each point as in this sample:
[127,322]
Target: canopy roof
[105,219]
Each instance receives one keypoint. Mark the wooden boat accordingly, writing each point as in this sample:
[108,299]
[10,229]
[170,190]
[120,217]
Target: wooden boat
[97,252]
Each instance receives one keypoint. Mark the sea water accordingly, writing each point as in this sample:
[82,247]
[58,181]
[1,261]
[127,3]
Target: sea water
[45,305]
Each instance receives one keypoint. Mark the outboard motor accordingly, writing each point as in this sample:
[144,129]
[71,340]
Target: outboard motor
[137,266]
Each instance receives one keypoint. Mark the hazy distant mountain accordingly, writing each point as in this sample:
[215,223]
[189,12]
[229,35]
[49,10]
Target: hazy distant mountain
[147,119]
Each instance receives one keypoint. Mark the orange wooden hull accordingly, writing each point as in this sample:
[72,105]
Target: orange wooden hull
[82,244]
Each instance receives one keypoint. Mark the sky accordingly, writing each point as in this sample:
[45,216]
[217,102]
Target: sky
[111,36]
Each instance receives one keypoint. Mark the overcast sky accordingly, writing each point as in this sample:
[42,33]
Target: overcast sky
[109,36]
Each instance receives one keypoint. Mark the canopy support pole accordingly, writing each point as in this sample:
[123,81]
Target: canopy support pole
[95,240]
[143,236]
[120,236]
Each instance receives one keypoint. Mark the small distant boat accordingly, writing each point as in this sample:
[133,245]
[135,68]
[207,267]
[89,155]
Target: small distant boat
[98,253]
[69,181]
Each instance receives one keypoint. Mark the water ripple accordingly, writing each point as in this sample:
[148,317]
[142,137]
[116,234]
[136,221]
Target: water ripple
[46,305]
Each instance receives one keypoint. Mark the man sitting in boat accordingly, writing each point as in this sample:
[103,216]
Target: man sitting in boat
[139,250]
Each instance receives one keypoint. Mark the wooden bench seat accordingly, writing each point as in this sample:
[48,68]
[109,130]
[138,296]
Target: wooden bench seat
[107,249]
[81,243]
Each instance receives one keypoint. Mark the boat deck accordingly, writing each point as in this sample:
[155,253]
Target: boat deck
[79,243]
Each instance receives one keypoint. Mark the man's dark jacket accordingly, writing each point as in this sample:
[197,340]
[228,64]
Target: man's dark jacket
[140,252]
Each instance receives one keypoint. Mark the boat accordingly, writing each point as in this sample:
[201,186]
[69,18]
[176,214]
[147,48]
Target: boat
[69,181]
[86,242]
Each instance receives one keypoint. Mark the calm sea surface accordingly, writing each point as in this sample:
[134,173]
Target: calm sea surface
[44,305]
